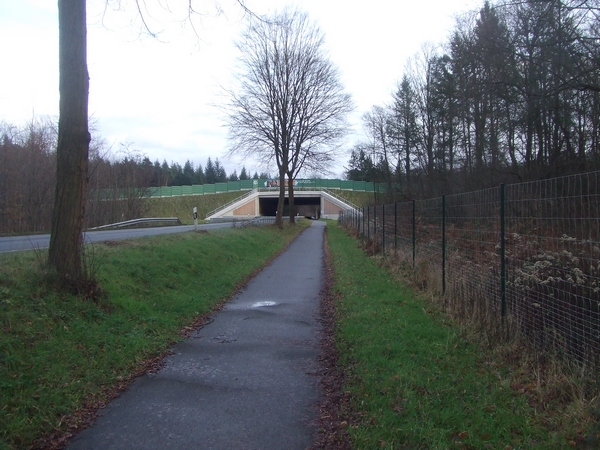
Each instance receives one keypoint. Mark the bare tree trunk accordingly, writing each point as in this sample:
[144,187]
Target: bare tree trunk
[66,241]
[292,206]
[281,203]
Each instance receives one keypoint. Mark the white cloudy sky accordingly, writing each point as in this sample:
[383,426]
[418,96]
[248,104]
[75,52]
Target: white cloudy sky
[159,95]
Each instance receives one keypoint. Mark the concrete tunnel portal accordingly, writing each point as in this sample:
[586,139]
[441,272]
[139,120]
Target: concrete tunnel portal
[305,206]
[313,204]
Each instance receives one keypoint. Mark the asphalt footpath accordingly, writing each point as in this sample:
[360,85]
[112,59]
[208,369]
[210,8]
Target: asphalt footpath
[245,380]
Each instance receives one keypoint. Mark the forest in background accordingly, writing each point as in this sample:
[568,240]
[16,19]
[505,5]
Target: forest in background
[28,177]
[514,95]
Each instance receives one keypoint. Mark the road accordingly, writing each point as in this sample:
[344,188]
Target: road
[39,241]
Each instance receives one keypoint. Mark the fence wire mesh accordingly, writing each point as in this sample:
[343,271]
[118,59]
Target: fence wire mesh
[528,253]
[553,262]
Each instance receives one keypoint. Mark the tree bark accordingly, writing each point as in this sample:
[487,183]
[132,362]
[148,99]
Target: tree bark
[292,206]
[281,202]
[66,240]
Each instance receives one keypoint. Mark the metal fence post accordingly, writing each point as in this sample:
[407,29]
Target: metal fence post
[383,229]
[443,244]
[368,222]
[502,254]
[374,224]
[395,226]
[362,233]
[414,231]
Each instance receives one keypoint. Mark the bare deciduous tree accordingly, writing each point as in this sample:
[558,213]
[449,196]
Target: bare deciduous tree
[290,107]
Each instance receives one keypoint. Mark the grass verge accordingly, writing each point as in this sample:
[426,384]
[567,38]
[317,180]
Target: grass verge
[415,381]
[61,357]
[182,206]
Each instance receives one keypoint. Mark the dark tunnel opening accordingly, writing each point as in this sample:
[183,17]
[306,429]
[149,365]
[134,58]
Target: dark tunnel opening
[305,206]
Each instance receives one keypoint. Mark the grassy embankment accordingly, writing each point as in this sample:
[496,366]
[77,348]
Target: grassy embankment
[415,381]
[182,206]
[61,354]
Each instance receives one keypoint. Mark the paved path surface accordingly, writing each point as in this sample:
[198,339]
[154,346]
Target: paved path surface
[244,381]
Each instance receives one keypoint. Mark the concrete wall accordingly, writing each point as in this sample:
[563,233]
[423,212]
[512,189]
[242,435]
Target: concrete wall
[249,209]
[330,208]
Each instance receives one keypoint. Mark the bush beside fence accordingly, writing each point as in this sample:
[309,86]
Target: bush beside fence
[526,254]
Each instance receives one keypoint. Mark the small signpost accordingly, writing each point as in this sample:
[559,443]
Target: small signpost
[195,211]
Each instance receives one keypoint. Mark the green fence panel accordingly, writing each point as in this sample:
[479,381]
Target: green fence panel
[359,185]
[233,186]
[346,184]
[247,184]
[305,183]
[241,185]
[335,184]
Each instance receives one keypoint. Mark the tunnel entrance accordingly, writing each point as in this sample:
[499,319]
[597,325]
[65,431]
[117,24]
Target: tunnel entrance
[305,206]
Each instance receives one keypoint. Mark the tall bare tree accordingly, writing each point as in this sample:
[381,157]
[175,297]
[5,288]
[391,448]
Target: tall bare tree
[290,107]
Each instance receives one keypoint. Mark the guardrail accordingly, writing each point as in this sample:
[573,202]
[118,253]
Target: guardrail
[243,222]
[258,221]
[127,223]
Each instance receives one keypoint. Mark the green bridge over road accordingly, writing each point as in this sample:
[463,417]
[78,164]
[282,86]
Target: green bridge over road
[248,185]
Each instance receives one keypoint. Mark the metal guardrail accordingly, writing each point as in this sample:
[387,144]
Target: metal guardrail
[231,219]
[258,221]
[254,221]
[127,223]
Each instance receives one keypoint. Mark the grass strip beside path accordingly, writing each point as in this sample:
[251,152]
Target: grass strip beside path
[413,381]
[62,356]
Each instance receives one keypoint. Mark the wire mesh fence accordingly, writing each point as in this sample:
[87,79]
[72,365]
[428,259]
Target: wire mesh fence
[527,253]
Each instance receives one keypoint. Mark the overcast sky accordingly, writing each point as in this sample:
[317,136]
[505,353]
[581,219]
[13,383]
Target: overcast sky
[159,95]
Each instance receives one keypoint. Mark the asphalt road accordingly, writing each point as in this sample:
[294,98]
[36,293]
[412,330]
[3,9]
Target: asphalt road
[34,242]
[244,381]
